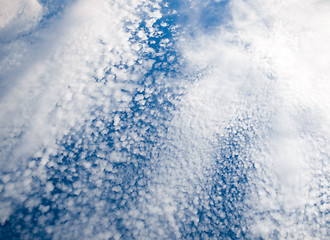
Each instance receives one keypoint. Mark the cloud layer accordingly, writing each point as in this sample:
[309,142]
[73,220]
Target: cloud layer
[165,120]
[18,16]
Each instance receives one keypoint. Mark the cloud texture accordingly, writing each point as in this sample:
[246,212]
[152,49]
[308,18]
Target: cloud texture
[165,120]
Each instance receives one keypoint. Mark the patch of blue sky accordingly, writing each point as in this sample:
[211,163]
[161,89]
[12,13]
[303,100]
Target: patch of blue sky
[201,16]
[55,7]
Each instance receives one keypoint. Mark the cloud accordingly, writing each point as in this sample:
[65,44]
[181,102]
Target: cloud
[18,17]
[265,70]
[116,123]
[84,66]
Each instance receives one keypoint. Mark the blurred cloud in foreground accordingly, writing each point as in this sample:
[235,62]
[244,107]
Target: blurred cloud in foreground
[18,16]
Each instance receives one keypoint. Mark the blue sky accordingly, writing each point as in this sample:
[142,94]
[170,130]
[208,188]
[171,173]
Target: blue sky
[164,119]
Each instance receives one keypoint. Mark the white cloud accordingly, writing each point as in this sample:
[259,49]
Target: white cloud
[256,91]
[54,94]
[267,69]
[18,16]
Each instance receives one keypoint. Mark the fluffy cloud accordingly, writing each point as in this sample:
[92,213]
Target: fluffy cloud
[83,67]
[117,123]
[266,70]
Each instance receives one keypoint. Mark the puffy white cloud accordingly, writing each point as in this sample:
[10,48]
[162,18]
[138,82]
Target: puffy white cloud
[267,69]
[244,152]
[84,62]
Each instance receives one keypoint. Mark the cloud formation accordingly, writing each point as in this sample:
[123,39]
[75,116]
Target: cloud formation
[18,16]
[157,120]
[267,68]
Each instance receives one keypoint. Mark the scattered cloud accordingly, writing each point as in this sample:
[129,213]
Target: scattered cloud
[118,122]
[265,67]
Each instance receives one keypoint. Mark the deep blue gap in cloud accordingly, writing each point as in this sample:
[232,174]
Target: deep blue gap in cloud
[205,16]
[54,8]
[214,14]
